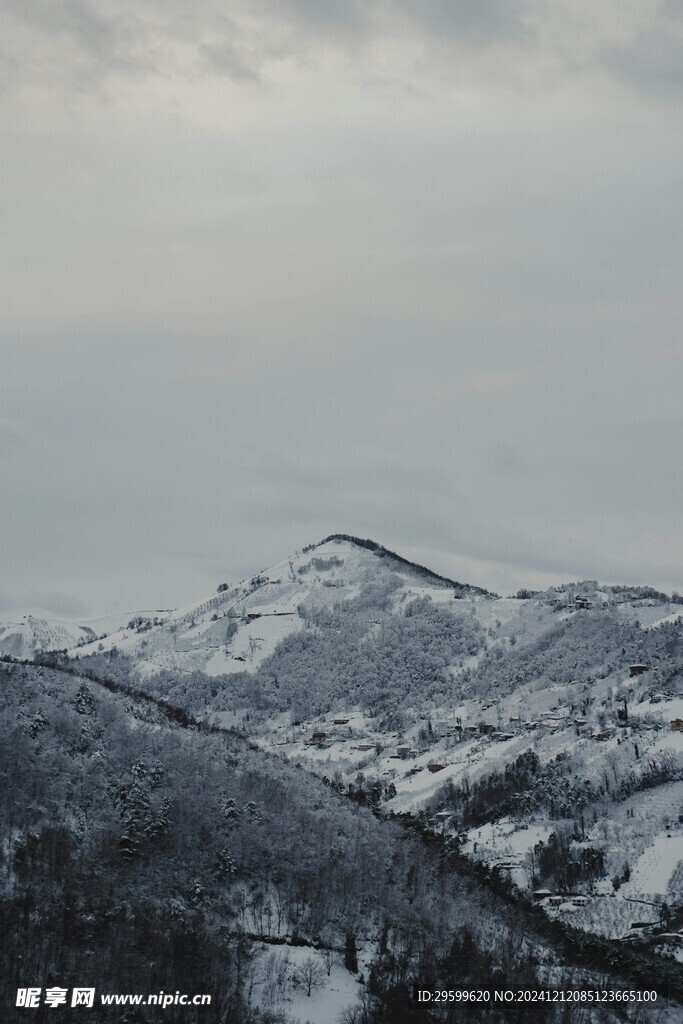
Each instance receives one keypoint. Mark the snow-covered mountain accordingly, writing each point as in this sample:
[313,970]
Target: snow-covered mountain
[238,627]
[543,731]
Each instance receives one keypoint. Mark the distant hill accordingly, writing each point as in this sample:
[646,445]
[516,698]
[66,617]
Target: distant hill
[25,636]
[30,635]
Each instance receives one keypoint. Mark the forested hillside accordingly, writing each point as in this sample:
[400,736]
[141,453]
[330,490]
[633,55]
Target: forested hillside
[142,852]
[360,653]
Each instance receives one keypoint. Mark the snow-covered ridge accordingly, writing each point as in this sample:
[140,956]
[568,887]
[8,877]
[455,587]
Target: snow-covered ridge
[405,565]
[239,626]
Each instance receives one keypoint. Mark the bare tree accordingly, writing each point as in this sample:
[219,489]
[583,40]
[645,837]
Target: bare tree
[328,960]
[612,759]
[310,975]
[358,1013]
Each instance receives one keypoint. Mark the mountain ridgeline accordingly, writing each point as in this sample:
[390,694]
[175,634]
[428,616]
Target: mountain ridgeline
[419,571]
[346,623]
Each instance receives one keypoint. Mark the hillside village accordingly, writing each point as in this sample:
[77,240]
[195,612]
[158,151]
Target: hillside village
[409,771]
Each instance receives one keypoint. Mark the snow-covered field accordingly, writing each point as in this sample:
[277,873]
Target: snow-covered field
[280,977]
[507,844]
[254,642]
[655,868]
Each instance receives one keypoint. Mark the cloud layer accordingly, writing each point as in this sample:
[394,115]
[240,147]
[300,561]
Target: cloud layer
[274,270]
[79,44]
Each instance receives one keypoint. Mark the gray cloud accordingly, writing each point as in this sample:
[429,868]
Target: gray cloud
[56,603]
[349,15]
[235,61]
[173,40]
[98,40]
[250,297]
[653,63]
[50,603]
[481,23]
[12,437]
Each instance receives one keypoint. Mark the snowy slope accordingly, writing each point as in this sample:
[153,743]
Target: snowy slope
[656,867]
[25,636]
[29,635]
[276,984]
[238,628]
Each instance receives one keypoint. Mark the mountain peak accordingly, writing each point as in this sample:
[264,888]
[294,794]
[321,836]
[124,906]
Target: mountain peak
[404,563]
[239,626]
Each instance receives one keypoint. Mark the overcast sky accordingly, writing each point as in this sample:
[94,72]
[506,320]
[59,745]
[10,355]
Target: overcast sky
[275,269]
